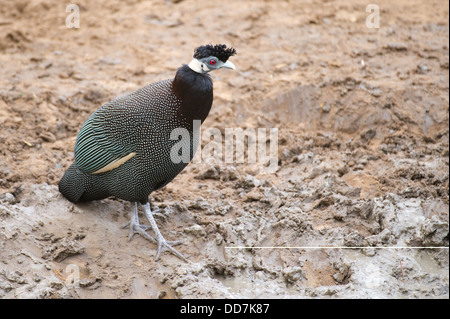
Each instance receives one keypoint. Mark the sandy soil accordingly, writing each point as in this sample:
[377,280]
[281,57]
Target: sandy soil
[363,150]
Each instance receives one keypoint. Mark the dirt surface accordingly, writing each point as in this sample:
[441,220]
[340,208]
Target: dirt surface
[363,151]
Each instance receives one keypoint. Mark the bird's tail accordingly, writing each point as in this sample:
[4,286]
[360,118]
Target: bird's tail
[77,186]
[73,184]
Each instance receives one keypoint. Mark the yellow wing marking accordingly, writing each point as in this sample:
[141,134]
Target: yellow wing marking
[115,164]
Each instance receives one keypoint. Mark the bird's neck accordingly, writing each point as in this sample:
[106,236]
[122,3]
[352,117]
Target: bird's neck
[195,91]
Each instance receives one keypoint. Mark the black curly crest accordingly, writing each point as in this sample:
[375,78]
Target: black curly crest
[220,51]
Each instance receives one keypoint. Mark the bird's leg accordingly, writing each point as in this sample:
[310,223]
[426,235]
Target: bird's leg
[162,243]
[136,227]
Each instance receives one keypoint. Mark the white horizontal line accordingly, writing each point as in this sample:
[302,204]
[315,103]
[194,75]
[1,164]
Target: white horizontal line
[332,247]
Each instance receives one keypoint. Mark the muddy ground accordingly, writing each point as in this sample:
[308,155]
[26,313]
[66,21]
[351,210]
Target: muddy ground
[363,151]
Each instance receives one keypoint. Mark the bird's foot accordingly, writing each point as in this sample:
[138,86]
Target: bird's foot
[139,229]
[162,243]
[135,227]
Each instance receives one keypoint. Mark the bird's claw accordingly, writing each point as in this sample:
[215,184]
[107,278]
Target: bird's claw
[163,244]
[140,229]
[136,227]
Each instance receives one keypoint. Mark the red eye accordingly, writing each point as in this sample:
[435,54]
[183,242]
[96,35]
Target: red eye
[212,62]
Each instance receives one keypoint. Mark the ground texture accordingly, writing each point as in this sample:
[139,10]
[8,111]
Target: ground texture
[363,151]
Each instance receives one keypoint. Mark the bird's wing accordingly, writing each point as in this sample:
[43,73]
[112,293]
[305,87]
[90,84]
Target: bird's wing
[108,138]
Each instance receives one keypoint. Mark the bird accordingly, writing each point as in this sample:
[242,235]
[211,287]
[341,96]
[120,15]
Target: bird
[125,148]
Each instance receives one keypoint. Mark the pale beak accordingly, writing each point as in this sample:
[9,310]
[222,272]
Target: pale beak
[228,65]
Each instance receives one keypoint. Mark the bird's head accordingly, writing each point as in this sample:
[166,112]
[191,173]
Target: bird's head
[212,57]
